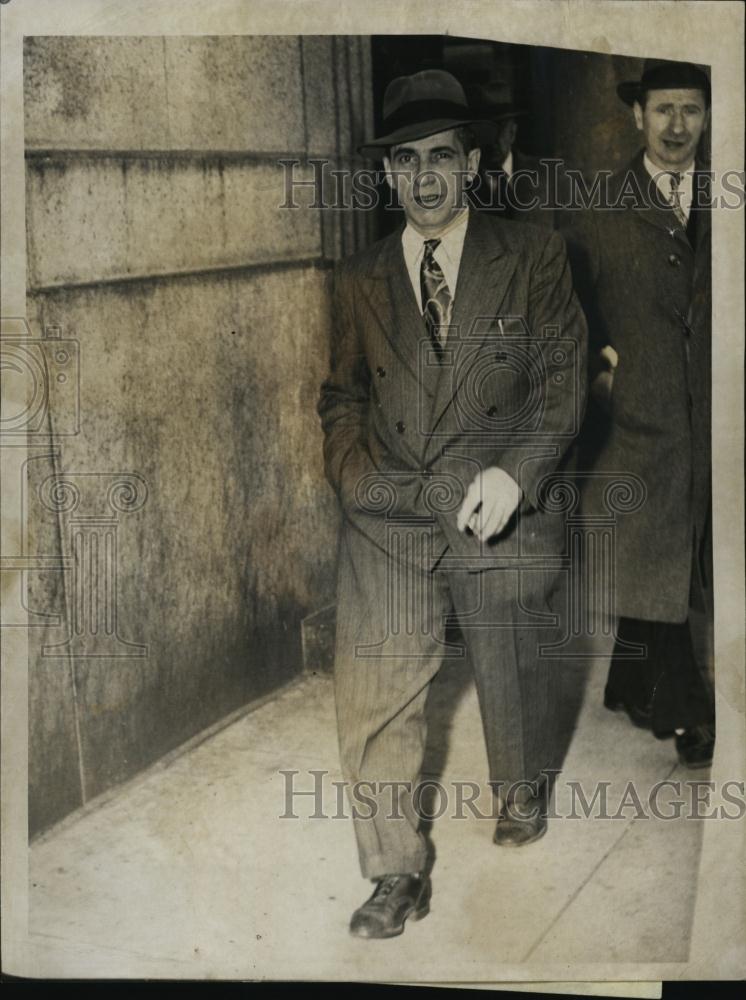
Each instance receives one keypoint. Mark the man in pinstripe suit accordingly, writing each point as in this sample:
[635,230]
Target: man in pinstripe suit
[446,406]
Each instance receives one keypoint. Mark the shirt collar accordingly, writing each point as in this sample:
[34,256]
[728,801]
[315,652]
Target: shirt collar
[507,164]
[451,239]
[659,174]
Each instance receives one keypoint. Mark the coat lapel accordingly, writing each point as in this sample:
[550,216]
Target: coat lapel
[654,210]
[391,302]
[485,272]
[699,215]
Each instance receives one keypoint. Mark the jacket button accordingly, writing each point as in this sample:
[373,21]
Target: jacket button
[492,412]
[674,260]
[381,372]
[400,426]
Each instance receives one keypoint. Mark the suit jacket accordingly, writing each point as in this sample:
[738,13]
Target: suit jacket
[646,292]
[405,435]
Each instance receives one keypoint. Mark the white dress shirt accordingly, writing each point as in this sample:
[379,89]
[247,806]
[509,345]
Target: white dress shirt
[508,164]
[663,183]
[447,254]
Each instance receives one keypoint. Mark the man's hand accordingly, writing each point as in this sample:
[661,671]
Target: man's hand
[489,503]
[603,384]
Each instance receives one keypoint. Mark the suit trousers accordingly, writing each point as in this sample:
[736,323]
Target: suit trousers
[390,643]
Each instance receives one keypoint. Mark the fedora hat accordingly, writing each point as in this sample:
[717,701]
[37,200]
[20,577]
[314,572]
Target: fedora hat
[662,74]
[423,104]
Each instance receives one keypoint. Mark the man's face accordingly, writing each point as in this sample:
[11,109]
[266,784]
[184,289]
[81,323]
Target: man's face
[672,122]
[429,176]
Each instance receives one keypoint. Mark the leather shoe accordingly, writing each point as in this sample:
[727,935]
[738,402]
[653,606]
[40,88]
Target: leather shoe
[640,717]
[395,898]
[523,818]
[695,746]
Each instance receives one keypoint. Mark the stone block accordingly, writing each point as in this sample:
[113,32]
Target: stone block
[95,93]
[205,388]
[94,219]
[240,93]
[320,98]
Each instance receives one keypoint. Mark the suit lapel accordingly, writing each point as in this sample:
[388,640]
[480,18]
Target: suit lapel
[390,298]
[484,278]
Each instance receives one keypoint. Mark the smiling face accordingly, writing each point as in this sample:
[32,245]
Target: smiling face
[430,176]
[672,122]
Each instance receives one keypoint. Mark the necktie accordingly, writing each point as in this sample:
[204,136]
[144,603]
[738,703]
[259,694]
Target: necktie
[436,297]
[675,199]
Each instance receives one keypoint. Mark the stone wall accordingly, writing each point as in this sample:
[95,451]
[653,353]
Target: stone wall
[190,510]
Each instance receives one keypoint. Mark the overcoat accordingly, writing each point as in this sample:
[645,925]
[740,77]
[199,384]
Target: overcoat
[645,290]
[405,434]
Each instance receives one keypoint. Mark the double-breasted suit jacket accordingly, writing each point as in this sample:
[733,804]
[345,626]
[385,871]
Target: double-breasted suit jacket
[405,435]
[645,288]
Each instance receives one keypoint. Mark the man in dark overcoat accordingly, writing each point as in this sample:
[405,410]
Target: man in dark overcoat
[511,183]
[456,385]
[641,263]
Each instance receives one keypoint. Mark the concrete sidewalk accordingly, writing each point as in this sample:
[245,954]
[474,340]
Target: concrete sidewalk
[190,871]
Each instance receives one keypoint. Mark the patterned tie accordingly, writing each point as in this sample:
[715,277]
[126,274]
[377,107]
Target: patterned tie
[674,199]
[436,297]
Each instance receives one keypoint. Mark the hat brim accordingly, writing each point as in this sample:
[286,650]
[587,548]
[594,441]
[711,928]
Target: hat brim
[499,113]
[500,116]
[485,132]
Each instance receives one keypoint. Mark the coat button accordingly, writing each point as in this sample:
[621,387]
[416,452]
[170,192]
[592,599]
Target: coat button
[492,412]
[400,426]
[674,260]
[381,372]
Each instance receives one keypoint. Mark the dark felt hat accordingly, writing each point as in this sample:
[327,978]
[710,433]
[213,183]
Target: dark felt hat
[417,106]
[662,74]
